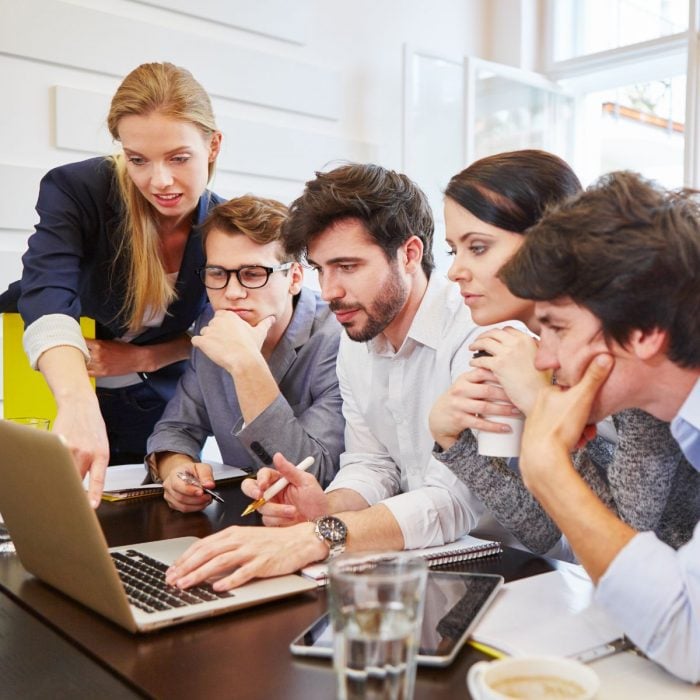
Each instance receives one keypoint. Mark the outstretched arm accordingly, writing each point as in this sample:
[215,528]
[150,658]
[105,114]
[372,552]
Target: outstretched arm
[78,419]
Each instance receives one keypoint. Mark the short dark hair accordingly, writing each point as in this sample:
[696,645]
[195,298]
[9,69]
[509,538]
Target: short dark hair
[388,204]
[629,252]
[512,190]
[258,218]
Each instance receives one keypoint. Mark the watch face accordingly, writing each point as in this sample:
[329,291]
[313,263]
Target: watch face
[332,529]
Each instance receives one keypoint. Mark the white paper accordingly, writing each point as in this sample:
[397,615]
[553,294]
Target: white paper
[124,477]
[131,476]
[628,676]
[549,614]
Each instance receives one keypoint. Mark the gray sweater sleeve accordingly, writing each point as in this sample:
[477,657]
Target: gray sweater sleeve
[503,492]
[643,468]
[636,479]
[649,481]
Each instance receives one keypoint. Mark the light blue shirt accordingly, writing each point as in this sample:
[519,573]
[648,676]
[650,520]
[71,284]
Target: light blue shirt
[685,427]
[653,591]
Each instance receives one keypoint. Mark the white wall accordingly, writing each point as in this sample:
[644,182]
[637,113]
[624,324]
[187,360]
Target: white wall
[294,84]
[517,33]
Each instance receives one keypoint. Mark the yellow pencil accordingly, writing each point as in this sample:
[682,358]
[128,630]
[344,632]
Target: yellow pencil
[489,651]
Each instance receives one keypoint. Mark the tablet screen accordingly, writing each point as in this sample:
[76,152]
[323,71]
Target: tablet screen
[453,604]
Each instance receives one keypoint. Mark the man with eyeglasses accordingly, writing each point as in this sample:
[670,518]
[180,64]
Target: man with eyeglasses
[261,378]
[368,231]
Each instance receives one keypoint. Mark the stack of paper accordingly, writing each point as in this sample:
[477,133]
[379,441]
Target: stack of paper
[549,614]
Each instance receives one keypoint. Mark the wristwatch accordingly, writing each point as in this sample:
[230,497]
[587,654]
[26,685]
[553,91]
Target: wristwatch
[333,532]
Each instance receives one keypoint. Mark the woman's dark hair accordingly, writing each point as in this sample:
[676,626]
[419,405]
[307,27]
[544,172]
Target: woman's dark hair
[512,190]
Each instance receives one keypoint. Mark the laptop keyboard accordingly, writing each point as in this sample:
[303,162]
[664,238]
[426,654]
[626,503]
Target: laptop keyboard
[144,582]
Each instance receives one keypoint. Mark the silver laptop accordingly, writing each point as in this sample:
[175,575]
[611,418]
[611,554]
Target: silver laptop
[59,539]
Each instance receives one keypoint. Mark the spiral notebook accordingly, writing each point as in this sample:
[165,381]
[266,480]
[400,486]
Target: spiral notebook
[463,549]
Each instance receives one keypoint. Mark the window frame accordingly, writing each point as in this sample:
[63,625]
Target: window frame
[472,65]
[652,59]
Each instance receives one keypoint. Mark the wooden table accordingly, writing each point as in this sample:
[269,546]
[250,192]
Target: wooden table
[242,655]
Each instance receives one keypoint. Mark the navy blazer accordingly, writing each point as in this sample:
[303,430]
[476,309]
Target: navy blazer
[68,267]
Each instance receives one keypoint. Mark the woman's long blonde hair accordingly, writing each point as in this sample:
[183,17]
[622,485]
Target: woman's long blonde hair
[173,92]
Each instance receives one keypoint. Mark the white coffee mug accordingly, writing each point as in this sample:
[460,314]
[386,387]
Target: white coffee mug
[545,677]
[501,444]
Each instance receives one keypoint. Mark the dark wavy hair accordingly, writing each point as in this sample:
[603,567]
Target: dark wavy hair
[512,190]
[629,252]
[388,204]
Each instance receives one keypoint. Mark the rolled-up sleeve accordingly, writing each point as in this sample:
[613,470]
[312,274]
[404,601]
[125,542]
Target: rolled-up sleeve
[439,512]
[653,593]
[50,331]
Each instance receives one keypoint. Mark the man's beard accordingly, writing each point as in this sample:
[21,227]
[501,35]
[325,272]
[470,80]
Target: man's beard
[388,302]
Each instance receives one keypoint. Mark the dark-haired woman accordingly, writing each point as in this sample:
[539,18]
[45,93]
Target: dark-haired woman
[488,208]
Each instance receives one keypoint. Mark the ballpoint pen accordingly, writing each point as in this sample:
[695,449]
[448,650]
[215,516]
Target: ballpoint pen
[276,488]
[602,650]
[192,480]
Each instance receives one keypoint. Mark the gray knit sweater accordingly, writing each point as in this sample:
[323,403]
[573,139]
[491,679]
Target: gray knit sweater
[645,480]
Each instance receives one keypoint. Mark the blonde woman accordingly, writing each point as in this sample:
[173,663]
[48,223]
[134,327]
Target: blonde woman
[117,241]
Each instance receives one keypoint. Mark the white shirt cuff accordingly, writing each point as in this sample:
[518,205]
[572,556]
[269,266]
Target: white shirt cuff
[51,331]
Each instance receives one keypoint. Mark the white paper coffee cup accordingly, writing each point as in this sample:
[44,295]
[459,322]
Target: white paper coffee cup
[501,444]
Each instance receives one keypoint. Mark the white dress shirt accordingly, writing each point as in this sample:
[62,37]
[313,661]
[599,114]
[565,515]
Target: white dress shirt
[387,397]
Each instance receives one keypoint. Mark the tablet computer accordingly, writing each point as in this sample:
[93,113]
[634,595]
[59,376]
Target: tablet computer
[453,605]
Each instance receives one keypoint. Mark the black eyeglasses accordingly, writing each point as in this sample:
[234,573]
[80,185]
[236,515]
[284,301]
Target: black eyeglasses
[248,276]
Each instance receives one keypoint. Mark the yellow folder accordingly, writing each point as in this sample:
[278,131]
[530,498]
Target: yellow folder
[25,392]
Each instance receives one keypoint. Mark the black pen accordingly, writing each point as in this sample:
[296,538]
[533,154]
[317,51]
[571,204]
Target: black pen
[192,480]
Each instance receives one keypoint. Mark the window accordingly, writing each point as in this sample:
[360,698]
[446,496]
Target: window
[637,127]
[629,65]
[585,27]
[618,91]
[509,109]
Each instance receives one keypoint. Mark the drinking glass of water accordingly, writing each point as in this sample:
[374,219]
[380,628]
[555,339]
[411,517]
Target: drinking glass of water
[376,611]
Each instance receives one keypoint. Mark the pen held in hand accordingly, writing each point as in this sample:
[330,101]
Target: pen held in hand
[194,481]
[276,488]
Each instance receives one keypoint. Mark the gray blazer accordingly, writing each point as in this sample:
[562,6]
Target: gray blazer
[305,419]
